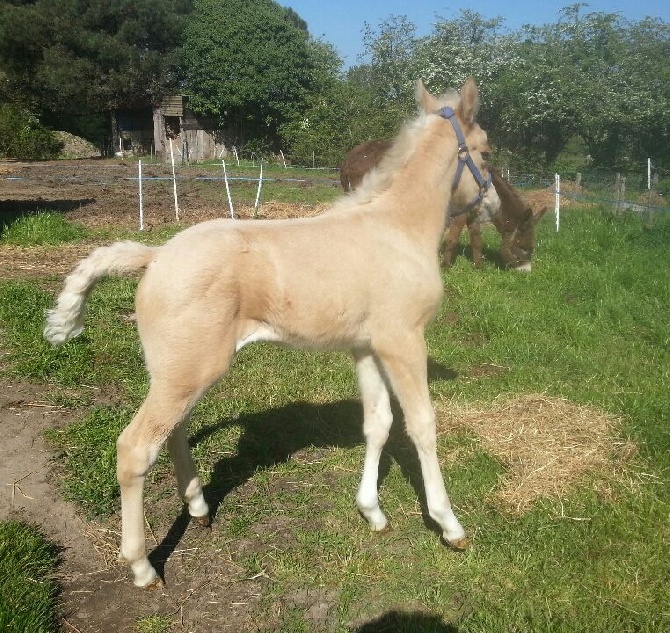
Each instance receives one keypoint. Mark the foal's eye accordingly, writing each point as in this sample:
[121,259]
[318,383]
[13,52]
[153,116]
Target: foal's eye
[486,154]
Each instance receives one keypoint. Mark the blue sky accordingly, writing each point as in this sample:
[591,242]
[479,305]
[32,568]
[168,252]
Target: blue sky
[341,22]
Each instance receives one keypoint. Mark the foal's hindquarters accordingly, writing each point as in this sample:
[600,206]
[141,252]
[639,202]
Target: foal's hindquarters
[196,306]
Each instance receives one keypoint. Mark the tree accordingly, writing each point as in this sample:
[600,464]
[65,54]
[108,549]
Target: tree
[248,62]
[73,58]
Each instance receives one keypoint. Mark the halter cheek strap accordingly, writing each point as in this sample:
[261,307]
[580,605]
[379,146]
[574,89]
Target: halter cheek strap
[464,158]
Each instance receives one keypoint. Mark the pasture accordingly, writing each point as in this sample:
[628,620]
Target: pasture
[553,417]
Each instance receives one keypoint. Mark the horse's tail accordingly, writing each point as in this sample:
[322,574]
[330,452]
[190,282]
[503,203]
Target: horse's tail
[66,319]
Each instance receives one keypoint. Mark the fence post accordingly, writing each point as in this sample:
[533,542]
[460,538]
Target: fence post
[225,179]
[174,184]
[258,193]
[139,180]
[557,199]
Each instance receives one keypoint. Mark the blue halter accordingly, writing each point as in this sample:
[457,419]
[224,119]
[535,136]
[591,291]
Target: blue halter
[464,159]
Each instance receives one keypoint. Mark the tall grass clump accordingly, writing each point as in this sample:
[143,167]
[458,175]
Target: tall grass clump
[41,229]
[27,590]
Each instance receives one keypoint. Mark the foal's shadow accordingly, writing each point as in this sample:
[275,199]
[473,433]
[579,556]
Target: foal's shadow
[270,437]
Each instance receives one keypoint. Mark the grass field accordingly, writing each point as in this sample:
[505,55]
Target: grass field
[584,337]
[27,591]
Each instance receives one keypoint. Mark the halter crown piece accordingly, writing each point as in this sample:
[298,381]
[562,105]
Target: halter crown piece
[464,159]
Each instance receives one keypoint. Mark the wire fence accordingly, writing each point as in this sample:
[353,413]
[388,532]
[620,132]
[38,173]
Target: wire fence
[633,190]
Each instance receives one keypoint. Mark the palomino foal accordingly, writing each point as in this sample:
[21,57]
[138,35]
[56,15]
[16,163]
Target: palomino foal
[364,277]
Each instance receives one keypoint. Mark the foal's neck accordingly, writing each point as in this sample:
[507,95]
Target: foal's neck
[421,190]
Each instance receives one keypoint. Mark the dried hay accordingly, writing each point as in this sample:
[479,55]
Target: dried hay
[547,446]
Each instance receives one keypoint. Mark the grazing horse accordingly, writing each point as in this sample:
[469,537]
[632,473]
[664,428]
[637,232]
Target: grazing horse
[364,277]
[516,221]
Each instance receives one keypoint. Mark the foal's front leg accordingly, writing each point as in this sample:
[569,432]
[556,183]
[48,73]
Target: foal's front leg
[377,419]
[405,361]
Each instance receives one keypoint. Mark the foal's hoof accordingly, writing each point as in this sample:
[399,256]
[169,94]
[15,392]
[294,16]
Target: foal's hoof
[459,544]
[156,583]
[204,521]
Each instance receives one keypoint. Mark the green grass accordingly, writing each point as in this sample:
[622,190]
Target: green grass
[27,592]
[40,229]
[278,444]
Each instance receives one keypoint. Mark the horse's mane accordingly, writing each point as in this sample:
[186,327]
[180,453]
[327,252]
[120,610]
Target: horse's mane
[380,178]
[513,205]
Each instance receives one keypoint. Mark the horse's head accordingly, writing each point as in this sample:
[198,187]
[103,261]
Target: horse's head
[519,241]
[471,184]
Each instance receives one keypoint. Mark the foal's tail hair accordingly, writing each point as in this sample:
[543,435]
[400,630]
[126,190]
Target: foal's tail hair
[66,319]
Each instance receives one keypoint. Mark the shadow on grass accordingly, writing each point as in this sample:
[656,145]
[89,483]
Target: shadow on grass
[270,438]
[401,622]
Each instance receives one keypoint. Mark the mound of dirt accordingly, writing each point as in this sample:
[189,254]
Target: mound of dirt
[77,147]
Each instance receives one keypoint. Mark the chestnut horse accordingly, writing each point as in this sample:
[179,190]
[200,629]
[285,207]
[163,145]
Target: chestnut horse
[364,277]
[516,221]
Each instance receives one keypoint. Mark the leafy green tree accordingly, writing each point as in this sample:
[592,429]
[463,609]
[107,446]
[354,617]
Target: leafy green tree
[73,58]
[391,48]
[248,62]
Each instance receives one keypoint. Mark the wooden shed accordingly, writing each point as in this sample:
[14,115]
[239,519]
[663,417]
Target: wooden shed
[193,138]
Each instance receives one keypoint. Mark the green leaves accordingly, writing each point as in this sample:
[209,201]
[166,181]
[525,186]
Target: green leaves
[246,62]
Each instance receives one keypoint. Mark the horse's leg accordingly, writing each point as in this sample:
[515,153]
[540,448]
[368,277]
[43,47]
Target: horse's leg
[404,360]
[475,234]
[188,482]
[137,448]
[377,418]
[451,240]
[182,368]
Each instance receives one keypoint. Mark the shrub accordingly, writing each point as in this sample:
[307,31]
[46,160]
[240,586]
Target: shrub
[22,136]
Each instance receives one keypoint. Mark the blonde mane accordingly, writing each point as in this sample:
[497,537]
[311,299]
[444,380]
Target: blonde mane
[380,178]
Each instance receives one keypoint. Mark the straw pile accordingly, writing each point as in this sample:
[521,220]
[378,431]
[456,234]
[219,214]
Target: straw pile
[547,445]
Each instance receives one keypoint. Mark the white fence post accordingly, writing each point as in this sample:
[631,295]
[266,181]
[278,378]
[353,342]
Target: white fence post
[225,179]
[174,184]
[557,199]
[258,193]
[139,180]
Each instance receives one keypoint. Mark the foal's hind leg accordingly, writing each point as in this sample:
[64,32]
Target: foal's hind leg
[377,418]
[405,361]
[188,482]
[165,408]
[137,448]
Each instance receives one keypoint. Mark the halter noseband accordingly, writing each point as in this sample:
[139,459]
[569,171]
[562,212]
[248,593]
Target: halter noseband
[464,159]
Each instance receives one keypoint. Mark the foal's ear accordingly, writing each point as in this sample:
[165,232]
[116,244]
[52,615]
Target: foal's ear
[469,101]
[425,100]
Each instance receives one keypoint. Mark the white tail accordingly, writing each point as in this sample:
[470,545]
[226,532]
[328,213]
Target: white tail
[66,320]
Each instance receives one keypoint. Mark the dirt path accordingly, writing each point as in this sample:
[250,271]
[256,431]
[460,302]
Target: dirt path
[97,593]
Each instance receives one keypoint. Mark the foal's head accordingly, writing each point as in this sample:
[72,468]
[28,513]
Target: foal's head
[472,182]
